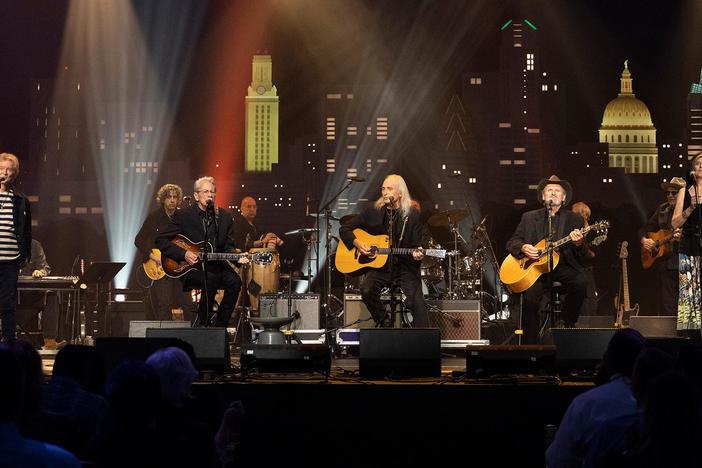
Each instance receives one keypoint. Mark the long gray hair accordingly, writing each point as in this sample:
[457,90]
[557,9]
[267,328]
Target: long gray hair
[405,199]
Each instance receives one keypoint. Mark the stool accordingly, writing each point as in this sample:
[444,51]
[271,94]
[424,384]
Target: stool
[271,334]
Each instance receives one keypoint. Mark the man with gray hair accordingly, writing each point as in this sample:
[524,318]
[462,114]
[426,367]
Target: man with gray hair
[204,221]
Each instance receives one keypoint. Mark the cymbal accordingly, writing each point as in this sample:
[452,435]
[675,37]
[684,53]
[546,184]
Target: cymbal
[323,216]
[301,231]
[448,217]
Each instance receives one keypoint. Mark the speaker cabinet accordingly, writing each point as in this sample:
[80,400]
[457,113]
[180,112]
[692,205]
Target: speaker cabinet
[211,345]
[356,314]
[654,325]
[457,320]
[399,352]
[307,305]
[137,328]
[119,315]
[581,348]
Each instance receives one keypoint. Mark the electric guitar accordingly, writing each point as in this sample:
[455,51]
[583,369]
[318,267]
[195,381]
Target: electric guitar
[175,269]
[662,249]
[152,269]
[624,311]
[519,274]
[352,260]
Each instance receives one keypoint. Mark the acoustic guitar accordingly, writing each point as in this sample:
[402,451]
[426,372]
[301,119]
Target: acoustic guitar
[519,274]
[624,309]
[353,261]
[662,249]
[152,269]
[204,251]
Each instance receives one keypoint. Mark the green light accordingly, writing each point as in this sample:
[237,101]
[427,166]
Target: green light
[529,23]
[505,25]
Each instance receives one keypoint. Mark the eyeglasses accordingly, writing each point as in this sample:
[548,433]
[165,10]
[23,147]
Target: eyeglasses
[206,191]
[671,192]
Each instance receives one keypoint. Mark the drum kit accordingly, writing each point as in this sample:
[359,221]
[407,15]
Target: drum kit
[459,275]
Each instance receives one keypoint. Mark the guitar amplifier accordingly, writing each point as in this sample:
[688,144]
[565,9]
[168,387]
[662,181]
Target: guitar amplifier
[456,320]
[307,305]
[356,314]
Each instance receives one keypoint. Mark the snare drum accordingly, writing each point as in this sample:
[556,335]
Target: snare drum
[265,274]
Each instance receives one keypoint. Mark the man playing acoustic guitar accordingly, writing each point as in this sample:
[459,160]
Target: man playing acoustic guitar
[553,193]
[204,221]
[659,244]
[392,214]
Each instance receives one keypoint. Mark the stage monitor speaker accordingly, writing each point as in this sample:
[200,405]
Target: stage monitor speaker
[581,348]
[399,352]
[120,314]
[286,358]
[137,328]
[114,350]
[307,305]
[211,345]
[595,321]
[486,361]
[654,325]
[456,319]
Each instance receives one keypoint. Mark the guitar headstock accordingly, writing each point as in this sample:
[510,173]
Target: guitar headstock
[600,226]
[622,250]
[263,257]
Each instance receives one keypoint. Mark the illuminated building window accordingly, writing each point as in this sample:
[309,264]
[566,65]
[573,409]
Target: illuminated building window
[352,131]
[504,125]
[529,61]
[438,185]
[333,96]
[544,87]
[520,201]
[519,150]
[472,180]
[505,162]
[534,130]
[520,162]
[555,87]
[476,81]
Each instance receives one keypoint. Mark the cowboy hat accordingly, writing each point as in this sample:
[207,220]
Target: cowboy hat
[554,180]
[676,183]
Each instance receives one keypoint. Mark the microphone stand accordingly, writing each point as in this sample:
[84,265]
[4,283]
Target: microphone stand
[393,302]
[549,252]
[326,305]
[206,228]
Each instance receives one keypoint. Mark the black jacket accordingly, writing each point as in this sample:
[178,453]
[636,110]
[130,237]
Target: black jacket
[190,223]
[154,224]
[372,219]
[533,228]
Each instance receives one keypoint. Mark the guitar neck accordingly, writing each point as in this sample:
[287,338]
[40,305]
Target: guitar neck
[223,256]
[396,251]
[625,284]
[567,239]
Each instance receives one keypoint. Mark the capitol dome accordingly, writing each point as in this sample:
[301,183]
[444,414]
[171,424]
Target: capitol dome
[626,110]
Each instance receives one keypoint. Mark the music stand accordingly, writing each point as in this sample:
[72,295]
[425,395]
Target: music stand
[98,274]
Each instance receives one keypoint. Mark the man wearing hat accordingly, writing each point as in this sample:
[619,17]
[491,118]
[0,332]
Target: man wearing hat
[554,194]
[667,266]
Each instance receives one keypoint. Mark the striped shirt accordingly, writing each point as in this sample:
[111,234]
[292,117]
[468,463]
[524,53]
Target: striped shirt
[9,249]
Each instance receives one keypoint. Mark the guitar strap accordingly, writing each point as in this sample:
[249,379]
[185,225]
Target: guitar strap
[402,233]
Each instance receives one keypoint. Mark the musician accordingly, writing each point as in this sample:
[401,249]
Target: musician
[246,233]
[392,212]
[204,221]
[15,241]
[666,268]
[165,295]
[554,193]
[589,306]
[688,215]
[33,302]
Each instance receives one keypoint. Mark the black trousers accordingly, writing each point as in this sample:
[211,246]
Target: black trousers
[164,295]
[8,298]
[575,283]
[410,283]
[670,291]
[217,278]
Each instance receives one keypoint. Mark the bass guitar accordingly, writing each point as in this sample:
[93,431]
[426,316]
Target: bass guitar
[662,249]
[175,269]
[152,269]
[353,261]
[624,309]
[519,274]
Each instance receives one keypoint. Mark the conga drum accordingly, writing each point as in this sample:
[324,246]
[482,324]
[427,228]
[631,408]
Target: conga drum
[260,276]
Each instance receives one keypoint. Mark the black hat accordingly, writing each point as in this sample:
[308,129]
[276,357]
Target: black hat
[554,180]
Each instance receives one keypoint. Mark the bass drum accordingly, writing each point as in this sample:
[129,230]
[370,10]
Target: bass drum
[261,277]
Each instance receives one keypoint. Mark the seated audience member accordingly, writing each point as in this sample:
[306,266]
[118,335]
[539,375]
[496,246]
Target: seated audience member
[16,450]
[179,424]
[69,404]
[587,411]
[613,442]
[30,421]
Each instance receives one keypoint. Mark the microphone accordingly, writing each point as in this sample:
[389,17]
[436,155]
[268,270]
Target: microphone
[210,204]
[481,225]
[391,201]
[356,179]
